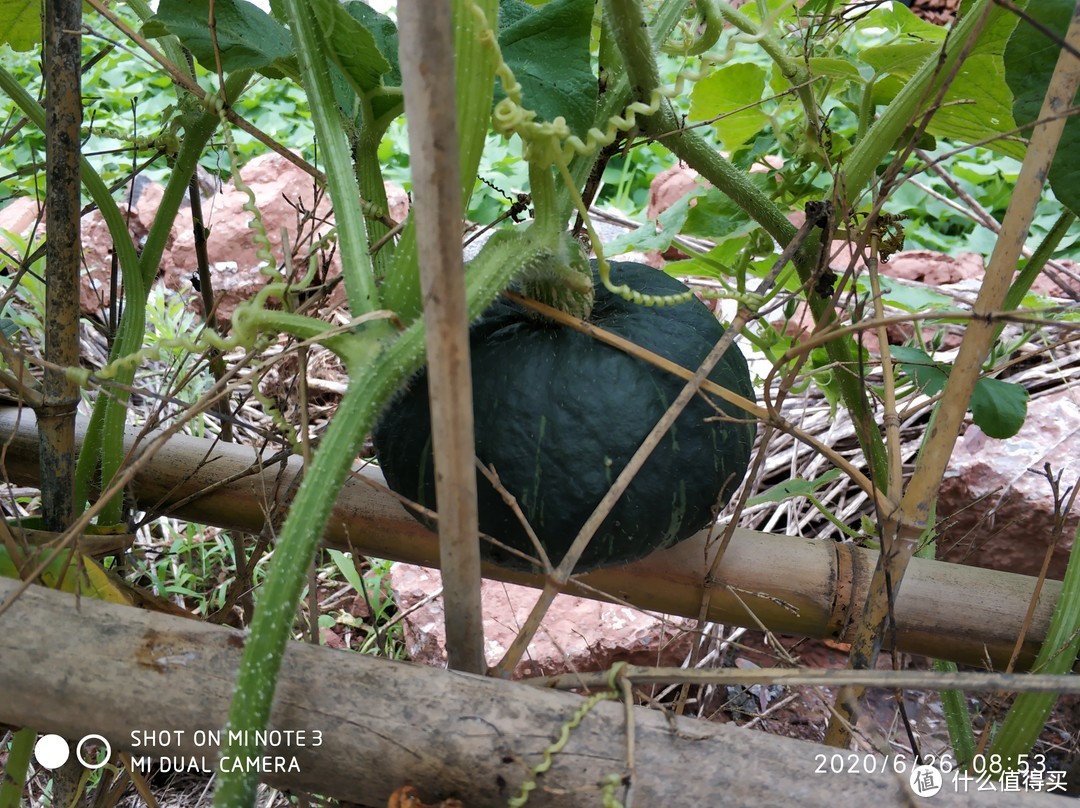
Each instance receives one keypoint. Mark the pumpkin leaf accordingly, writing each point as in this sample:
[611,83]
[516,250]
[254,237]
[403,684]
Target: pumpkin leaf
[726,98]
[1030,58]
[714,216]
[978,104]
[246,37]
[384,33]
[548,50]
[997,407]
[352,47]
[20,24]
[833,68]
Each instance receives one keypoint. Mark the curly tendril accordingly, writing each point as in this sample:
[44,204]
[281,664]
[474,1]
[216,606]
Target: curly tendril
[551,143]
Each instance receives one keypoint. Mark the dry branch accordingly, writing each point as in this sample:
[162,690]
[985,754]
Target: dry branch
[120,672]
[794,585]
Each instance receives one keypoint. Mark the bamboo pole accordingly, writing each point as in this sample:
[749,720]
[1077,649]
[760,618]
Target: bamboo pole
[793,585]
[63,118]
[427,73]
[357,728]
[904,529]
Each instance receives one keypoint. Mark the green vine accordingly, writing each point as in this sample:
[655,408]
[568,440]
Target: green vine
[548,145]
[610,782]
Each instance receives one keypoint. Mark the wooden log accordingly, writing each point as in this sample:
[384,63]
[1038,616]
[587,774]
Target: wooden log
[792,585]
[155,685]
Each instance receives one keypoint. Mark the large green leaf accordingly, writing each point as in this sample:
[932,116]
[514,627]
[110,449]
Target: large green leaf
[714,216]
[548,50]
[1029,62]
[351,46]
[728,95]
[998,408]
[247,38]
[384,33]
[20,23]
[978,104]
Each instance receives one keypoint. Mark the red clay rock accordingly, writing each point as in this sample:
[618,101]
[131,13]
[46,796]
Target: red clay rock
[995,503]
[577,634]
[933,268]
[282,193]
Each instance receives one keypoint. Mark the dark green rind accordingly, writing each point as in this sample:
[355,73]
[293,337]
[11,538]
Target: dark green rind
[559,415]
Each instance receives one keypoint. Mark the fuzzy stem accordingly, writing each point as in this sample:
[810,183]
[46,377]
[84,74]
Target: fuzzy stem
[475,62]
[370,178]
[270,626]
[881,137]
[348,213]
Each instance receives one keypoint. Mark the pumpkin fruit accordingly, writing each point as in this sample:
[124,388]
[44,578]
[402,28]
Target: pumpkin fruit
[558,415]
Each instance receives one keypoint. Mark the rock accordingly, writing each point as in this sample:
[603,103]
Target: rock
[21,219]
[577,634]
[19,216]
[995,504]
[668,187]
[933,268]
[285,195]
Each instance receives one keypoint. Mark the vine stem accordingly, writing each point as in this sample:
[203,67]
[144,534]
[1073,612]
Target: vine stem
[348,213]
[905,526]
[641,68]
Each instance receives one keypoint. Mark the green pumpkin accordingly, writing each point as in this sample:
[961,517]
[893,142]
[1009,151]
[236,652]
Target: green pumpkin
[559,414]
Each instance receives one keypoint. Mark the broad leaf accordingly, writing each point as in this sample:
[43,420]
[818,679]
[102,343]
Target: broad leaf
[351,46]
[246,37]
[999,408]
[978,104]
[726,98]
[385,34]
[20,24]
[548,50]
[714,216]
[1029,62]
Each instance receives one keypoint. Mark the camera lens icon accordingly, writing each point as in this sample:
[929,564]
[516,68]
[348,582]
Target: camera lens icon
[52,751]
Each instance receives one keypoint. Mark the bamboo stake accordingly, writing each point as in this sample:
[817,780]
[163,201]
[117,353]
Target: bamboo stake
[63,110]
[904,528]
[427,72]
[363,727]
[792,585]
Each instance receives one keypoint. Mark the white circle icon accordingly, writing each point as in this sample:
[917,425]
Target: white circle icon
[104,758]
[51,751]
[925,781]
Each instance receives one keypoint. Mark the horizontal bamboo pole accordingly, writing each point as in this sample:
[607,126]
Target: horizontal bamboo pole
[156,685]
[792,585]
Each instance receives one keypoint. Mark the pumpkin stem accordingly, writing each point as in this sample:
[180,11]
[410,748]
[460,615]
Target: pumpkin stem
[561,278]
